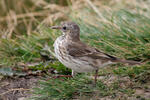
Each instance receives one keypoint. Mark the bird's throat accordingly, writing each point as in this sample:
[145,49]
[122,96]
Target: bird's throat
[72,37]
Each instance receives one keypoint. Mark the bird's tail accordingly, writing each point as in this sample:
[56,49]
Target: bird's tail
[130,62]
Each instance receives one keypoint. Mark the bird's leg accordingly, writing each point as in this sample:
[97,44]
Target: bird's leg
[96,74]
[73,73]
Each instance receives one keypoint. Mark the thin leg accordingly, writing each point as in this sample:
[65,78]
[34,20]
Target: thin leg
[73,73]
[96,74]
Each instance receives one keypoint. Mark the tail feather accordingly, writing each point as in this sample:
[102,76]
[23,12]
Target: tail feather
[115,59]
[130,62]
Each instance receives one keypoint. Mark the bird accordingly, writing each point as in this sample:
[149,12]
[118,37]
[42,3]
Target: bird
[77,55]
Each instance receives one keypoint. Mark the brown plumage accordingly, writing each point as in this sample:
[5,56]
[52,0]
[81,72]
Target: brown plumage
[77,55]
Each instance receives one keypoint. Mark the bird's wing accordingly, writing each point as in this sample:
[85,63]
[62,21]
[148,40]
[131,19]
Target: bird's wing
[82,50]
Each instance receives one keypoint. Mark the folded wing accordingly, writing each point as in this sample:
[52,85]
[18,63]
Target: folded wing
[81,50]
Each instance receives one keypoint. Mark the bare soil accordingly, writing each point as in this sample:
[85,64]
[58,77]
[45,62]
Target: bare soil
[17,88]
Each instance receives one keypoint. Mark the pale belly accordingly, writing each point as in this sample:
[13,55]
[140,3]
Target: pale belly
[75,64]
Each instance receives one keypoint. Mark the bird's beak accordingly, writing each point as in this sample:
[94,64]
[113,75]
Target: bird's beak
[56,27]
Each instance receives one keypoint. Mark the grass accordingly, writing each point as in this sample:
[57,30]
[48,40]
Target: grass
[25,20]
[118,28]
[64,88]
[124,37]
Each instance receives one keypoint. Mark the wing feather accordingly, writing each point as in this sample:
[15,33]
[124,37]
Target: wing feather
[81,50]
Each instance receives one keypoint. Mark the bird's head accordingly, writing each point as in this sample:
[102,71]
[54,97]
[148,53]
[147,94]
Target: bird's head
[70,29]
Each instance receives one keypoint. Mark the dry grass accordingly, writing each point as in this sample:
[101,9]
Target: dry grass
[21,17]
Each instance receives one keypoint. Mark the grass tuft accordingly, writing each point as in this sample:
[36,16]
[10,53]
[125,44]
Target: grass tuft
[64,88]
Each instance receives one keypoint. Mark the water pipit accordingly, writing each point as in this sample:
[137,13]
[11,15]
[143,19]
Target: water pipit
[78,56]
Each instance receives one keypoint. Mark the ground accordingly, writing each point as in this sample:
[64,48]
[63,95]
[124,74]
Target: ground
[17,88]
[110,86]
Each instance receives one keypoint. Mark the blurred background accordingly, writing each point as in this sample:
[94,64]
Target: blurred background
[23,17]
[117,27]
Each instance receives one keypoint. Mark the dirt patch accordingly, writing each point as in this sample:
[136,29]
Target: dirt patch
[17,88]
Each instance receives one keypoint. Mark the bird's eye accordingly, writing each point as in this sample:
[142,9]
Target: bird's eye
[64,27]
